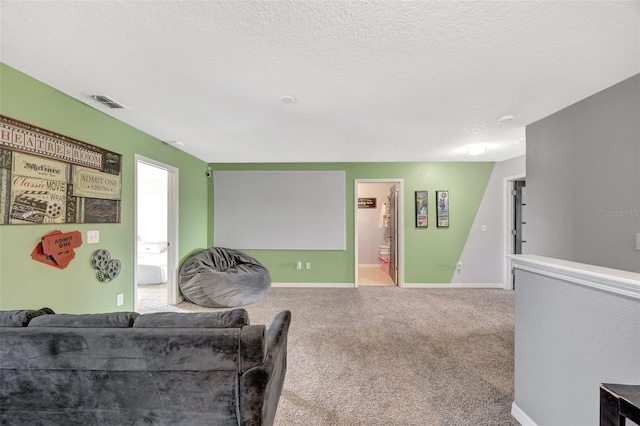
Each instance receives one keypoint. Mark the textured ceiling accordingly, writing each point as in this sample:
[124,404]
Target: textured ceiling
[374,80]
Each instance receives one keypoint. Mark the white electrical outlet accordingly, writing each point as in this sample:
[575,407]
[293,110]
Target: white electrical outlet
[120,300]
[484,228]
[308,265]
[93,237]
[298,265]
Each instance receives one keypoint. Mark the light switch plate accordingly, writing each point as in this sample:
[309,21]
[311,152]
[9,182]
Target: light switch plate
[93,237]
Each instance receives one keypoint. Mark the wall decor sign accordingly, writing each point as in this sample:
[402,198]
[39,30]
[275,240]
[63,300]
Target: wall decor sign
[56,248]
[442,198]
[366,203]
[46,177]
[422,209]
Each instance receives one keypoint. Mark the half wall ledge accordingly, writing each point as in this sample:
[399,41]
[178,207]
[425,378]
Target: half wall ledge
[577,326]
[612,280]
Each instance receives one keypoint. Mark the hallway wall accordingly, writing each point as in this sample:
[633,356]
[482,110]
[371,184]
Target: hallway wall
[583,175]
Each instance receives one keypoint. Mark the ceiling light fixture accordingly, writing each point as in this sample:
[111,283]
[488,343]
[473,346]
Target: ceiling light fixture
[477,150]
[508,117]
[287,99]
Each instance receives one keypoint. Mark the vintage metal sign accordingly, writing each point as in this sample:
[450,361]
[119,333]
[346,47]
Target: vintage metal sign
[51,178]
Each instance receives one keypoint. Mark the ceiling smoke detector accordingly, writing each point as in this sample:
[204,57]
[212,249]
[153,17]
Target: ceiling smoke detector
[506,118]
[107,101]
[287,99]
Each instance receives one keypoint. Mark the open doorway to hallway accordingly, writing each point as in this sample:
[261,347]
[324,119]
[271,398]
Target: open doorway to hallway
[155,255]
[378,236]
[515,214]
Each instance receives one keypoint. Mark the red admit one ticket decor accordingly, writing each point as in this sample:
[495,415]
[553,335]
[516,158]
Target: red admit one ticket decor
[56,248]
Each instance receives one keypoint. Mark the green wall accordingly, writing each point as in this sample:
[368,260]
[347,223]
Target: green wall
[25,283]
[431,254]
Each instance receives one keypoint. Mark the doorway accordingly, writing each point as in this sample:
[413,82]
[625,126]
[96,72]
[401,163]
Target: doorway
[155,276]
[378,232]
[515,202]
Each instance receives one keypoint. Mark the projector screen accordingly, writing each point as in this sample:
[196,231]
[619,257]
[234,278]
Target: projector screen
[282,210]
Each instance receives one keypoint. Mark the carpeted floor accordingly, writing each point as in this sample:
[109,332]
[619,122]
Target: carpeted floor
[392,356]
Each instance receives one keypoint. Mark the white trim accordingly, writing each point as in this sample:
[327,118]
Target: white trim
[406,285]
[368,265]
[507,216]
[521,416]
[172,228]
[400,235]
[611,280]
[453,285]
[314,285]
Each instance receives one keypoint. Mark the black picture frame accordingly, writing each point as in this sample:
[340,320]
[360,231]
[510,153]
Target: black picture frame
[422,209]
[442,207]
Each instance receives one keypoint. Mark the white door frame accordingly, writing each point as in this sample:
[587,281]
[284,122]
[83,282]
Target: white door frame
[172,228]
[400,235]
[507,214]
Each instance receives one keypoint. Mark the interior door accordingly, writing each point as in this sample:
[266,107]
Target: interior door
[393,228]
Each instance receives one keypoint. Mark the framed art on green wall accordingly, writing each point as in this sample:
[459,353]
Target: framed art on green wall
[422,209]
[50,178]
[442,198]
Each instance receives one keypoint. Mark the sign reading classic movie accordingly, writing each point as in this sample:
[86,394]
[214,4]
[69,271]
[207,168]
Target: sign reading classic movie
[50,178]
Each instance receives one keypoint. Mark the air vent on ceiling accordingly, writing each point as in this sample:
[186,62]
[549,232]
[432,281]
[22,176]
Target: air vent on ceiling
[107,101]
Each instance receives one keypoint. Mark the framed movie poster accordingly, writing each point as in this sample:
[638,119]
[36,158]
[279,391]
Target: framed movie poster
[442,198]
[422,209]
[48,178]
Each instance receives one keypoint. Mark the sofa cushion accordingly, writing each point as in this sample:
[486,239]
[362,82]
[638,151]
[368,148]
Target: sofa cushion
[21,318]
[107,320]
[235,318]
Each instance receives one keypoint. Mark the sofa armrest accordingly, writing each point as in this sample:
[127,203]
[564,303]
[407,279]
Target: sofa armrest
[261,386]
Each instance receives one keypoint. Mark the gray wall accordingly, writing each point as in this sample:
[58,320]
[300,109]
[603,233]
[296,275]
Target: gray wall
[568,339]
[483,257]
[583,180]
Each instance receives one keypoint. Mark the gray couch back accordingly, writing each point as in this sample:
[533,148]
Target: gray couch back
[126,369]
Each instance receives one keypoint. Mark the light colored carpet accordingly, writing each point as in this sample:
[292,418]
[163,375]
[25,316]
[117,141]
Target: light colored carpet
[392,356]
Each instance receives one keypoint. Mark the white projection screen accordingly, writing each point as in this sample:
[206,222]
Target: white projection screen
[280,210]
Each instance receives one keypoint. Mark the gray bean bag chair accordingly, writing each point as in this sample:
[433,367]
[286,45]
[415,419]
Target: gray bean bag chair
[223,278]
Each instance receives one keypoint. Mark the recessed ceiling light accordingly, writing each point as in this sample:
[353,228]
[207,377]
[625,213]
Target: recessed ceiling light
[477,150]
[504,118]
[287,99]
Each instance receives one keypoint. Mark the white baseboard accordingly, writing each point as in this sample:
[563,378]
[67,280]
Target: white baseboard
[406,285]
[521,416]
[368,265]
[452,285]
[314,285]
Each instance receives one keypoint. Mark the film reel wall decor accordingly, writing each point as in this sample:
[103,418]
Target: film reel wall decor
[108,268]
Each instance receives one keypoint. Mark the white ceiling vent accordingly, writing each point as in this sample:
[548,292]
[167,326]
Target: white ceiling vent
[107,101]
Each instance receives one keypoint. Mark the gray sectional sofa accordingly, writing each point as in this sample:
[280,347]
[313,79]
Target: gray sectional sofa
[128,369]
